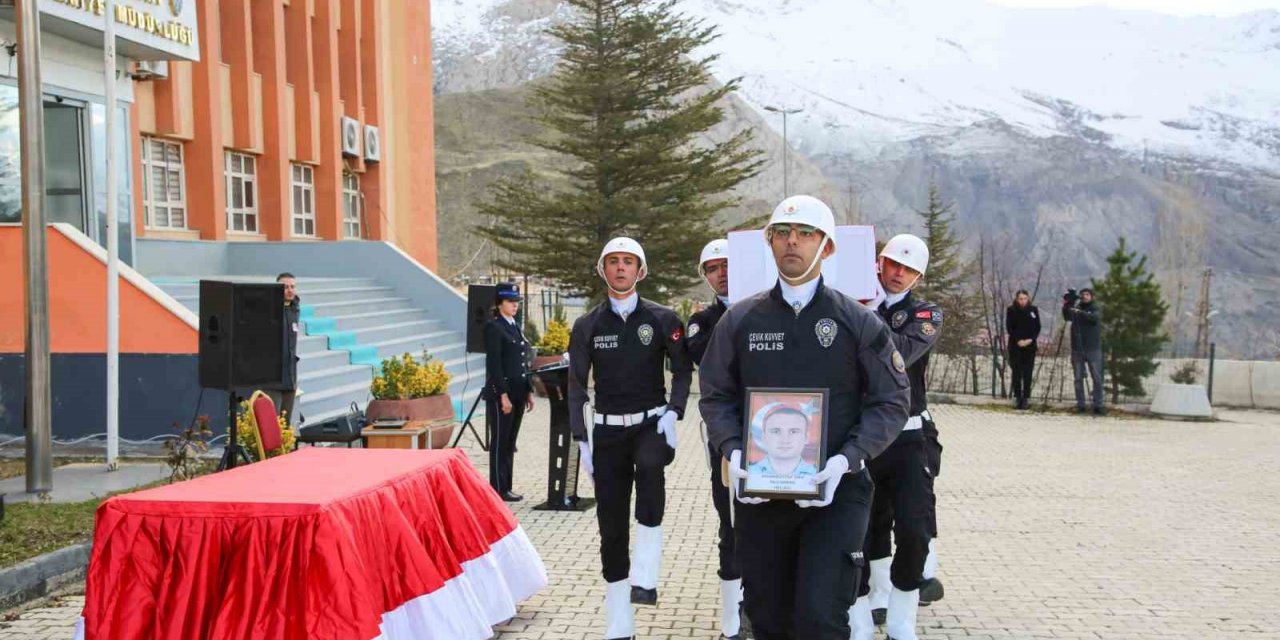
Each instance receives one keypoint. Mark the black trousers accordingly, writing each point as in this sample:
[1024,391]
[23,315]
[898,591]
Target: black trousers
[904,507]
[800,566]
[622,457]
[720,498]
[502,440]
[1022,360]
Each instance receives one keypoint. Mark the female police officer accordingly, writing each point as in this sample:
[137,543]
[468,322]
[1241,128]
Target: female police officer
[625,341]
[804,557]
[507,388]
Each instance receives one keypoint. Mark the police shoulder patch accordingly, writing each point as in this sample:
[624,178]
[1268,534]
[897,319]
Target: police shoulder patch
[898,362]
[927,328]
[826,329]
[693,330]
[898,318]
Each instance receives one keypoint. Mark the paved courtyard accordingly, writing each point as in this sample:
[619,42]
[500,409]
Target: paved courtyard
[1052,527]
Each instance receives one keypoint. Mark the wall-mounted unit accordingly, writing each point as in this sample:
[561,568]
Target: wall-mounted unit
[372,144]
[151,69]
[350,137]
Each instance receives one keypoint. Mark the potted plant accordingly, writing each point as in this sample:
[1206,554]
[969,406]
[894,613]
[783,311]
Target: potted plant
[408,388]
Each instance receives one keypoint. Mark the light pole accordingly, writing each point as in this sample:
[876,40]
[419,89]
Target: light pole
[786,190]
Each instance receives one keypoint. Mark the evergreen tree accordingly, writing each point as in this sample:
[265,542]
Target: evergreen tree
[1133,316]
[625,107]
[946,282]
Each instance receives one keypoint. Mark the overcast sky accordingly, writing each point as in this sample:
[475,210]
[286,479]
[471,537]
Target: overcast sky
[1176,7]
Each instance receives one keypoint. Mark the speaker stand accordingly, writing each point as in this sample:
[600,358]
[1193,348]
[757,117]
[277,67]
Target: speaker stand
[233,451]
[466,424]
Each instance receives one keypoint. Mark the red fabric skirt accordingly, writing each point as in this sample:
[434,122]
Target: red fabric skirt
[321,543]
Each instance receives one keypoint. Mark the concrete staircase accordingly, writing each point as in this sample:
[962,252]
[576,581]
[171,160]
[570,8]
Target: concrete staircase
[349,326]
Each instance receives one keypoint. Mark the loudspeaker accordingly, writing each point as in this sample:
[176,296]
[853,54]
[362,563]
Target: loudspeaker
[480,301]
[242,335]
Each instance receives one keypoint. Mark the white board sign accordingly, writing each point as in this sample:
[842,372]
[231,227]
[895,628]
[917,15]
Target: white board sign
[850,270]
[145,29]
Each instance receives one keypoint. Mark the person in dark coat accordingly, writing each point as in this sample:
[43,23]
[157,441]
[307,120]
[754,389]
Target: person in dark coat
[1085,315]
[508,387]
[287,392]
[1022,322]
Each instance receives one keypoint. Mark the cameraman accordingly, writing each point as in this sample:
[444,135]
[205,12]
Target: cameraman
[1086,344]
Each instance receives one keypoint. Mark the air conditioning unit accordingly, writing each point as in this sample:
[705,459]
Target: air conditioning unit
[151,69]
[350,137]
[372,144]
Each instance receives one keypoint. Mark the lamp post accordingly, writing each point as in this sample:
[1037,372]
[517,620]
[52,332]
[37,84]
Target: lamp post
[786,189]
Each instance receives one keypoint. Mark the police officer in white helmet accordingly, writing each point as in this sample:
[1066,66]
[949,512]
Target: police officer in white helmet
[903,474]
[713,266]
[631,435]
[801,559]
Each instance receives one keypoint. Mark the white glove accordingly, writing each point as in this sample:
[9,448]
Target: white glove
[736,473]
[667,427]
[584,450]
[836,467]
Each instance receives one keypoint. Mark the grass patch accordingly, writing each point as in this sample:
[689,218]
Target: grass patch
[31,529]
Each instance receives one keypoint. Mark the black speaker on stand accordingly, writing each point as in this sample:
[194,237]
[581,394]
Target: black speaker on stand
[480,301]
[242,340]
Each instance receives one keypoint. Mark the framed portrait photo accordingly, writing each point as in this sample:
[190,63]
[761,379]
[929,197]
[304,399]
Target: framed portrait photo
[785,443]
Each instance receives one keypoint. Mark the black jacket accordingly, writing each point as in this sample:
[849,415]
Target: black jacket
[698,334]
[506,357]
[916,325]
[627,359]
[1022,324]
[834,343]
[291,328]
[1086,326]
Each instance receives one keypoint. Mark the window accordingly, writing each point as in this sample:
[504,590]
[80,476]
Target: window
[351,205]
[242,192]
[164,198]
[304,200]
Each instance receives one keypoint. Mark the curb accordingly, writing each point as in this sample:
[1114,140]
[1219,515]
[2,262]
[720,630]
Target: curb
[42,575]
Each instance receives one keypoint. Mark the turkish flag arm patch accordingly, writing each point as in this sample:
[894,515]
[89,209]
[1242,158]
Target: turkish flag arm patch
[677,334]
[924,315]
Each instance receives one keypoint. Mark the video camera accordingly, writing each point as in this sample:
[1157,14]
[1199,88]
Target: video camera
[1071,296]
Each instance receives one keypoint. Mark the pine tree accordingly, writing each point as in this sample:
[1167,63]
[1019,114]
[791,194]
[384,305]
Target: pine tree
[1132,320]
[625,107]
[945,283]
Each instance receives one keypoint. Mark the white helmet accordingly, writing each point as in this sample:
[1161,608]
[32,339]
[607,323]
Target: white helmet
[715,250]
[806,210]
[908,251]
[622,244]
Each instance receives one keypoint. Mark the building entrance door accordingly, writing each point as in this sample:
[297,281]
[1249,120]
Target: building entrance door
[66,192]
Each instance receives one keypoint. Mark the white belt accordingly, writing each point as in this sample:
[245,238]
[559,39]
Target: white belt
[917,422]
[629,419]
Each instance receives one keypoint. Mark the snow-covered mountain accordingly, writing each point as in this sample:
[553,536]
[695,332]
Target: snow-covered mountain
[874,72]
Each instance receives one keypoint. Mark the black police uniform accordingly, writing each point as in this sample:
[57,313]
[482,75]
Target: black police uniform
[903,474]
[628,359]
[1022,323]
[803,565]
[506,357]
[697,336]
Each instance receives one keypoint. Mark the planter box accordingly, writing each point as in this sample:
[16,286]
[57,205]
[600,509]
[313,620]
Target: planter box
[431,408]
[1182,401]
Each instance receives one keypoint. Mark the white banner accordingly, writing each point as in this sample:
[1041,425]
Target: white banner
[850,270]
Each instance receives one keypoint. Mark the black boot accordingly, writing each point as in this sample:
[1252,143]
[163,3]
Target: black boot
[640,595]
[930,591]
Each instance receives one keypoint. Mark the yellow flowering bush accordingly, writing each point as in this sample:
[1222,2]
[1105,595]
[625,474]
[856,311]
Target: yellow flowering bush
[248,436]
[405,378]
[556,340]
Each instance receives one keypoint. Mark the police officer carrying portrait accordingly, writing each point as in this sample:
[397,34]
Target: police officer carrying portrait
[713,266]
[903,474]
[804,556]
[630,436]
[508,386]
